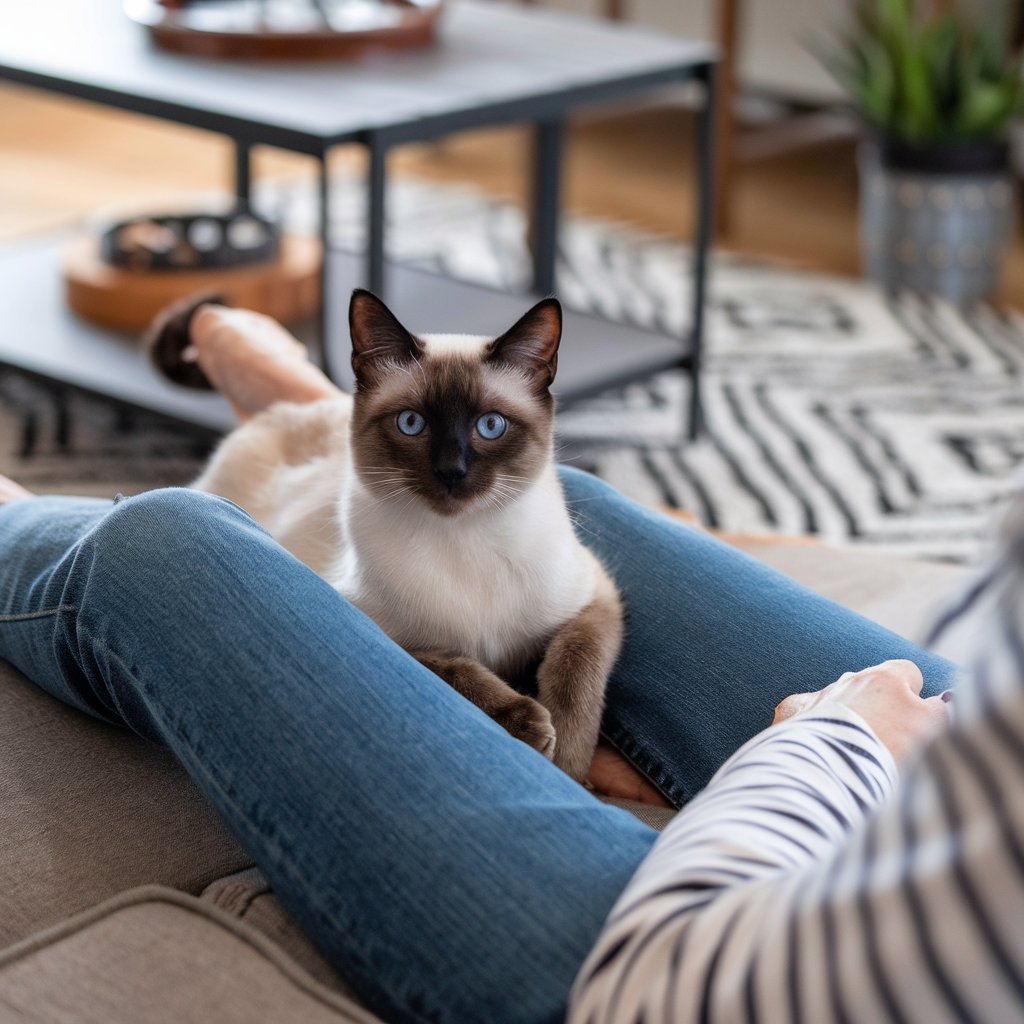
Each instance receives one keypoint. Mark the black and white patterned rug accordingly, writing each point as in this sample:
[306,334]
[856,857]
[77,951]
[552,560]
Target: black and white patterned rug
[893,425]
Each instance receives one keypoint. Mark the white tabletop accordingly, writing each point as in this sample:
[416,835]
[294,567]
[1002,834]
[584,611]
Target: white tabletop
[489,54]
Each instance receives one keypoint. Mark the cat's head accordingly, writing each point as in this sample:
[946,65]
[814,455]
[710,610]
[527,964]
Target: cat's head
[456,421]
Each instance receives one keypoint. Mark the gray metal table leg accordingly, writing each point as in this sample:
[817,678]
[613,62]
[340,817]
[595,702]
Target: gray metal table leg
[324,190]
[243,171]
[546,206]
[705,138]
[376,177]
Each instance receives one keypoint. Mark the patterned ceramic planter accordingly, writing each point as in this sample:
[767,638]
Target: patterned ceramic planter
[936,220]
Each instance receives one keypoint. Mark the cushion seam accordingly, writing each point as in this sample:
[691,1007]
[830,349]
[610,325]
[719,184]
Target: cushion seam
[144,895]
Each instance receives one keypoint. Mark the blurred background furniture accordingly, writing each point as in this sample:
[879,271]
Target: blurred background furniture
[497,64]
[767,69]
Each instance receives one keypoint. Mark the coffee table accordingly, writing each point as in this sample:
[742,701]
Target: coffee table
[494,64]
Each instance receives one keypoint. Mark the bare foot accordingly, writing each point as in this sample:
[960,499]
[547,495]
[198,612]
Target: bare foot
[612,775]
[10,491]
[253,361]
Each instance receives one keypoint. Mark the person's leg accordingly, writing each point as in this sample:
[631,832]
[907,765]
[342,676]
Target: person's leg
[714,640]
[449,871]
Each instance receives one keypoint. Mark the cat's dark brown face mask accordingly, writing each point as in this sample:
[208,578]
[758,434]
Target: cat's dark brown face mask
[457,425]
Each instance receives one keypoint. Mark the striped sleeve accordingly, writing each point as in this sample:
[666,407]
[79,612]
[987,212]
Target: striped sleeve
[806,885]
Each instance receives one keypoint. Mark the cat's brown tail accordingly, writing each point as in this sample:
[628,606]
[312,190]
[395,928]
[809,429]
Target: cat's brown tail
[168,342]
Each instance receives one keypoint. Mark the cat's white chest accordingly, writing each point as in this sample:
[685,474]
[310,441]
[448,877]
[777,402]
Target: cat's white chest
[489,587]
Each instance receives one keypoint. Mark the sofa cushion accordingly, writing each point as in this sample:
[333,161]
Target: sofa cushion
[88,810]
[155,955]
[247,896]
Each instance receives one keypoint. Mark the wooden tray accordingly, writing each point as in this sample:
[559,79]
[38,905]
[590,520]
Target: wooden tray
[287,288]
[254,30]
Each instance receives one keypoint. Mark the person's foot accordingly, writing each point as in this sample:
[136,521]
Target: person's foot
[252,360]
[10,491]
[612,775]
[249,358]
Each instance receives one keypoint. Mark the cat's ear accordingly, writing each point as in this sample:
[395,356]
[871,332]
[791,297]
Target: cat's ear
[378,339]
[532,343]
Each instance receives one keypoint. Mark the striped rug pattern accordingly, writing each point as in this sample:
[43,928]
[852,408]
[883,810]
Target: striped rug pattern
[892,425]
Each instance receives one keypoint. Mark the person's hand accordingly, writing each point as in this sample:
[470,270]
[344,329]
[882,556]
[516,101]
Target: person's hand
[887,697]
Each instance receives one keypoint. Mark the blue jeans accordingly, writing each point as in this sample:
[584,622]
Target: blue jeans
[449,871]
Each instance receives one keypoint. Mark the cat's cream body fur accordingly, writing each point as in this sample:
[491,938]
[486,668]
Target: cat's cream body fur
[286,468]
[492,584]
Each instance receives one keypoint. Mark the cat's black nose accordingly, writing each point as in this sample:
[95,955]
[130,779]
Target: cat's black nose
[451,475]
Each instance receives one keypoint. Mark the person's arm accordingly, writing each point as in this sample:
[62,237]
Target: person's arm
[803,886]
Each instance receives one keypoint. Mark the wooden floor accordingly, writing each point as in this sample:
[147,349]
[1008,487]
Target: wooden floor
[61,160]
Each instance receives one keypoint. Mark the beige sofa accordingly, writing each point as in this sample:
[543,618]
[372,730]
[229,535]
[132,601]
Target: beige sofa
[123,900]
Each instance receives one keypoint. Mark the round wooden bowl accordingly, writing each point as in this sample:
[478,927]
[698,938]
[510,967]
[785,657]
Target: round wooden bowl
[213,29]
[288,288]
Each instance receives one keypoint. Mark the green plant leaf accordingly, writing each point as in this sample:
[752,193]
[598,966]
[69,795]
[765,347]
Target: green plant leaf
[939,49]
[992,52]
[919,116]
[983,109]
[878,85]
[926,77]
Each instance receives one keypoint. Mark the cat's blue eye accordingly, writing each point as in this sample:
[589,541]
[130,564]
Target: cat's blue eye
[410,422]
[491,425]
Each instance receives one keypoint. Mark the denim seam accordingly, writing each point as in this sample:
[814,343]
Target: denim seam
[282,857]
[41,614]
[104,696]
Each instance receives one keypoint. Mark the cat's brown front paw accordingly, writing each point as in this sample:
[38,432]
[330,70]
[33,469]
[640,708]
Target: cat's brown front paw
[528,720]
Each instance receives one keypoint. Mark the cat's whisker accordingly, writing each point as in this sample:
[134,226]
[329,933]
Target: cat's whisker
[504,491]
[397,487]
[408,504]
[492,501]
[386,481]
[380,499]
[580,527]
[509,487]
[504,500]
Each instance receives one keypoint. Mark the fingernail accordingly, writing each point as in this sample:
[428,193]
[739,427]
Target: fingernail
[947,696]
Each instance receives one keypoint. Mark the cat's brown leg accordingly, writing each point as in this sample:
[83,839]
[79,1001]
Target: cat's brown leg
[519,715]
[572,677]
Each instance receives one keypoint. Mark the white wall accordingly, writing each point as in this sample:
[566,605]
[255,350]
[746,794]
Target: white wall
[774,34]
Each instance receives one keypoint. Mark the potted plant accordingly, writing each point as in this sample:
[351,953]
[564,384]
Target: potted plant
[937,92]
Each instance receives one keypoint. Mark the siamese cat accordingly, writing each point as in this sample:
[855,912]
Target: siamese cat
[430,500]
